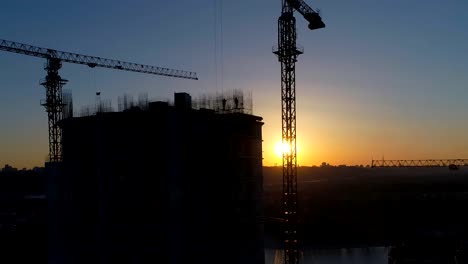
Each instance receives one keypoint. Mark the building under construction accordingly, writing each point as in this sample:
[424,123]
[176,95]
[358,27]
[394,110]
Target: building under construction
[160,182]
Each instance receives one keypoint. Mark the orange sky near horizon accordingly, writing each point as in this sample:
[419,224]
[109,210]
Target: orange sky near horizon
[337,134]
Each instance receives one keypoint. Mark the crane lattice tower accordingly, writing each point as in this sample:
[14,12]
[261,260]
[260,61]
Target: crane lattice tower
[53,83]
[287,53]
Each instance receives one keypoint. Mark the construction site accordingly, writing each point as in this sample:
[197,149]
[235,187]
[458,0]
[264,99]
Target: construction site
[159,182]
[182,179]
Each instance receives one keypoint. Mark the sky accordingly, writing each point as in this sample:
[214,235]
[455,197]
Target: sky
[384,79]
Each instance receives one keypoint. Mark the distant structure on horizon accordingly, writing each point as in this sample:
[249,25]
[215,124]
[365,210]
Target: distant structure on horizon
[159,183]
[452,164]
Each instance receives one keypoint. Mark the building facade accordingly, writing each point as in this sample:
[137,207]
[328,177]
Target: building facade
[164,184]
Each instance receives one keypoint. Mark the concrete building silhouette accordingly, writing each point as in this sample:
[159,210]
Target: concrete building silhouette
[164,184]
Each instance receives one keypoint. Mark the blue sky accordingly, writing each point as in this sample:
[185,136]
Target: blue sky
[384,78]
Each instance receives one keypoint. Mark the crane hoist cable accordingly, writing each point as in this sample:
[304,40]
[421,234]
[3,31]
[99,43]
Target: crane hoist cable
[218,44]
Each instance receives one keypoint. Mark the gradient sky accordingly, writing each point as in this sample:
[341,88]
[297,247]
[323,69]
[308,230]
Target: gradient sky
[383,79]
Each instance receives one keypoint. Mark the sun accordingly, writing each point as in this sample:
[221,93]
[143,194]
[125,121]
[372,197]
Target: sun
[281,148]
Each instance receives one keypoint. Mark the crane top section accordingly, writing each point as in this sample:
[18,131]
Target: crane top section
[92,61]
[312,16]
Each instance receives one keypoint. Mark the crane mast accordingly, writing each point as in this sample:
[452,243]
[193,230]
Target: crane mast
[53,83]
[287,53]
[54,107]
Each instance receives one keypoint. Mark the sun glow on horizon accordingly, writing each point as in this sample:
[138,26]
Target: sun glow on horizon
[283,147]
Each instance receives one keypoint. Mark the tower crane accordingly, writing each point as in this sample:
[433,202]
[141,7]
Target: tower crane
[287,53]
[53,83]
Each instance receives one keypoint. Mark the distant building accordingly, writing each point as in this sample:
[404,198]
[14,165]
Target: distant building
[8,169]
[166,184]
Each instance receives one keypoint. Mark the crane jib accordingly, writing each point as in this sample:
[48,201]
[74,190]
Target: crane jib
[53,83]
[92,61]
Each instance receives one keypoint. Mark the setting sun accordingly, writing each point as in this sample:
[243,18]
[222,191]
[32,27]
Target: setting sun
[281,148]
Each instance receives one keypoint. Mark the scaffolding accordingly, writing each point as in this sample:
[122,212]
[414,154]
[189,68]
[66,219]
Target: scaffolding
[234,101]
[127,102]
[67,101]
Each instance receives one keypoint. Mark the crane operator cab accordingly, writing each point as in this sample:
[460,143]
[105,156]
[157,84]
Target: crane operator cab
[315,21]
